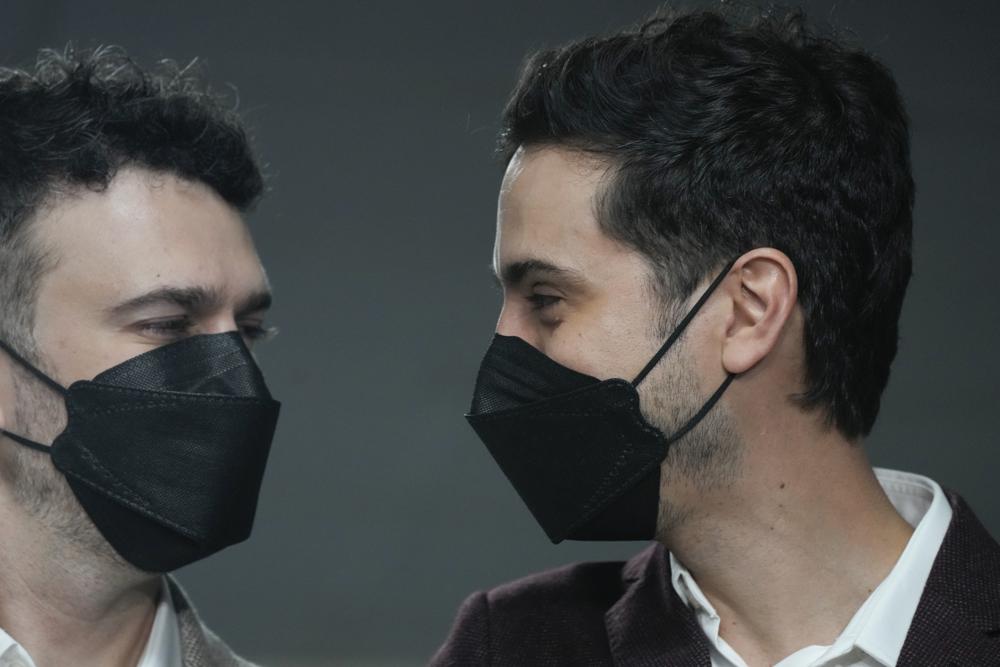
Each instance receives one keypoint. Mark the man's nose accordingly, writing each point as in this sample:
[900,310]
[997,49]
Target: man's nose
[220,324]
[226,323]
[514,323]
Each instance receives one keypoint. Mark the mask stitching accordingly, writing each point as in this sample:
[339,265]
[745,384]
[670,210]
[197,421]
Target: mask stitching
[546,404]
[186,346]
[618,464]
[136,502]
[601,496]
[139,407]
[528,411]
[626,484]
[176,396]
[239,363]
[126,495]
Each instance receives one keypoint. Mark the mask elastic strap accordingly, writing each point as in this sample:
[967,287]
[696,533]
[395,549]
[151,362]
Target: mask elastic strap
[52,384]
[683,325]
[27,443]
[705,409]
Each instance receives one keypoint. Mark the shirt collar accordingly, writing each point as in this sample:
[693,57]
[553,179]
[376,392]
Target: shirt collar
[922,503]
[10,650]
[163,648]
[880,625]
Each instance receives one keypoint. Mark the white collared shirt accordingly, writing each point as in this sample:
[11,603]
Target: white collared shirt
[875,635]
[163,647]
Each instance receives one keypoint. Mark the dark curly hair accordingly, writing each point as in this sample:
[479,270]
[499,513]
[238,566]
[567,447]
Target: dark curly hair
[74,120]
[727,132]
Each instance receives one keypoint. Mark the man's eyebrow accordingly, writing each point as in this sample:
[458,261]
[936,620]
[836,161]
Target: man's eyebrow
[514,273]
[191,299]
[255,302]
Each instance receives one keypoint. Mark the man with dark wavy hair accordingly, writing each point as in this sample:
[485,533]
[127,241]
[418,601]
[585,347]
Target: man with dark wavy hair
[704,240]
[134,425]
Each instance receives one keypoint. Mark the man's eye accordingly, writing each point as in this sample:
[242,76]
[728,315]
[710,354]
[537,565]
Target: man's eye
[257,332]
[171,328]
[543,301]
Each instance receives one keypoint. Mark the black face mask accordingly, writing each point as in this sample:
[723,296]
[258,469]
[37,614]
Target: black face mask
[576,449]
[166,451]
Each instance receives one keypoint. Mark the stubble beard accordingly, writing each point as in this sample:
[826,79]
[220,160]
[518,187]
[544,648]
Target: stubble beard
[707,458]
[42,491]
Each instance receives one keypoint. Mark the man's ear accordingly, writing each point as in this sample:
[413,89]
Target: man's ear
[764,298]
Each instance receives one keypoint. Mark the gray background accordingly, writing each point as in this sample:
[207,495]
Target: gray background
[380,510]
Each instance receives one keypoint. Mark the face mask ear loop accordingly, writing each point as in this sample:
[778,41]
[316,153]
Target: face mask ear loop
[52,384]
[691,423]
[682,326]
[45,449]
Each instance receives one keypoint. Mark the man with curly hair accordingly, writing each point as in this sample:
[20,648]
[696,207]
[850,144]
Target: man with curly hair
[704,240]
[135,425]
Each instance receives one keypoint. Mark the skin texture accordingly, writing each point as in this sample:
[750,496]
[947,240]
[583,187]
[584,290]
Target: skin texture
[779,518]
[68,598]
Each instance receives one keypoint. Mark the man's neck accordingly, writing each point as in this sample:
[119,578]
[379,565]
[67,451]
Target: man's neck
[65,606]
[789,553]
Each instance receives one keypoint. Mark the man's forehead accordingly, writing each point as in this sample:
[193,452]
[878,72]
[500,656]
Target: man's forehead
[143,233]
[546,218]
[552,176]
[139,208]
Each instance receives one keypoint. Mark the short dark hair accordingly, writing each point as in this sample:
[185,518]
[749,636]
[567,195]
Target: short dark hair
[725,132]
[75,119]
